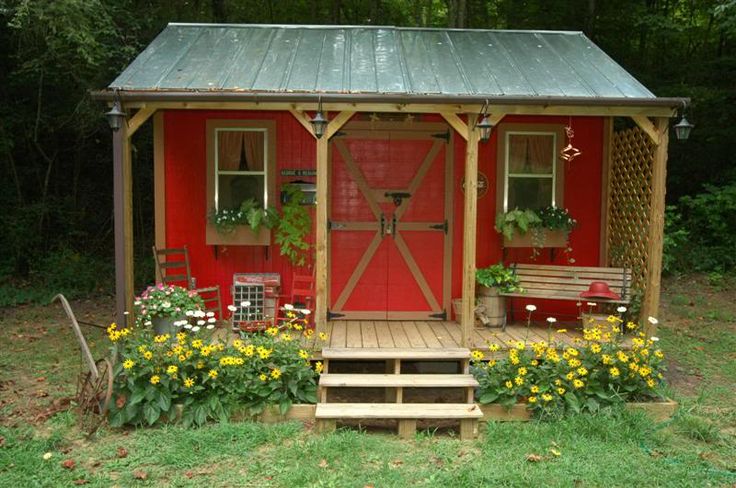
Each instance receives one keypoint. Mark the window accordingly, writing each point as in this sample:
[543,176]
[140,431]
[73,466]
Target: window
[530,172]
[240,166]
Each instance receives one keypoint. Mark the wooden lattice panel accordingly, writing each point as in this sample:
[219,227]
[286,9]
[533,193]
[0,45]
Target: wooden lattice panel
[629,205]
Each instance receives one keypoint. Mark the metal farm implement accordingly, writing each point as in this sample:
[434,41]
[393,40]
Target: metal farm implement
[94,386]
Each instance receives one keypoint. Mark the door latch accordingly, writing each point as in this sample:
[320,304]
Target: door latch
[442,226]
[397,196]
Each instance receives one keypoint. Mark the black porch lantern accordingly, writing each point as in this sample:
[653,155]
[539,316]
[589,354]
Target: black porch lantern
[116,115]
[319,122]
[683,129]
[485,125]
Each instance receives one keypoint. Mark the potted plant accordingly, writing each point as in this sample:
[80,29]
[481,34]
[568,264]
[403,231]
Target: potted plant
[491,281]
[164,306]
[548,227]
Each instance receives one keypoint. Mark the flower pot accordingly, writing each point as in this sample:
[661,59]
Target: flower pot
[165,325]
[492,307]
[538,238]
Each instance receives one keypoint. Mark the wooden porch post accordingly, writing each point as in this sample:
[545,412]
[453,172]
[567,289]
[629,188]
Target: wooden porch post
[650,304]
[123,223]
[469,231]
[321,237]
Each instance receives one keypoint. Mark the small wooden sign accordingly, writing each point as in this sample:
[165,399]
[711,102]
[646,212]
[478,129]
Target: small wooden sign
[483,184]
[298,172]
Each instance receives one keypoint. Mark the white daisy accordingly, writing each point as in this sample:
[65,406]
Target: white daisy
[531,308]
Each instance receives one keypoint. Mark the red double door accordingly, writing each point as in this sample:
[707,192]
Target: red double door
[390,237]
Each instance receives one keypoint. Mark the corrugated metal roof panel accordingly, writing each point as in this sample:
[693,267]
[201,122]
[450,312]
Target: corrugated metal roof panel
[377,60]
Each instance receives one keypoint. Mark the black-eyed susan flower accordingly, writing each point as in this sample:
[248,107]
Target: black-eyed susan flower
[155,379]
[128,363]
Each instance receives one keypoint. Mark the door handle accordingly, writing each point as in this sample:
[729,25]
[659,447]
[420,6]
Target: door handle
[383,225]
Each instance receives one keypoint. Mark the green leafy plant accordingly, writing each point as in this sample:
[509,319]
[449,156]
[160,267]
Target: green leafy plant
[166,301]
[500,277]
[555,218]
[552,379]
[192,377]
[516,221]
[249,213]
[294,226]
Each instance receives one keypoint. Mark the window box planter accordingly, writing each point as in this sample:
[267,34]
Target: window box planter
[493,412]
[241,236]
[533,238]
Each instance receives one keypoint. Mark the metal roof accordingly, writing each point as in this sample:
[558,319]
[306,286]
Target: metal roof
[380,61]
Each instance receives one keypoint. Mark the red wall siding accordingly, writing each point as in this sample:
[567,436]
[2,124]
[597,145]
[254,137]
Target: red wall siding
[187,208]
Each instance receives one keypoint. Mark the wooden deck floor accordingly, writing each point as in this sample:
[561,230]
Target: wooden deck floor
[431,334]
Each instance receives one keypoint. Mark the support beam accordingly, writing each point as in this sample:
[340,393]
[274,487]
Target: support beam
[123,224]
[647,126]
[322,180]
[159,185]
[469,231]
[606,166]
[140,117]
[457,124]
[650,305]
[302,118]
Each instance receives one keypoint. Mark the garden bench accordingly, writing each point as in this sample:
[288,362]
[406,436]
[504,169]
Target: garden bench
[567,282]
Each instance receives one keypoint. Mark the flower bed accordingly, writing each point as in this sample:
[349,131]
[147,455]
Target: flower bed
[551,379]
[192,378]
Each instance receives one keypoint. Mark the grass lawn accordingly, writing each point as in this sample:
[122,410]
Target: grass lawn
[39,359]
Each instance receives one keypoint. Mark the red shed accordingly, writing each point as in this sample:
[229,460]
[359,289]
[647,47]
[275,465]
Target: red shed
[430,134]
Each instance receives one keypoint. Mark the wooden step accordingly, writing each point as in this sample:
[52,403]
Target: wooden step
[424,354]
[398,411]
[398,380]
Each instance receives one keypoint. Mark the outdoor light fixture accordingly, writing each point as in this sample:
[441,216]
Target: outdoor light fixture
[319,122]
[683,127]
[485,125]
[116,115]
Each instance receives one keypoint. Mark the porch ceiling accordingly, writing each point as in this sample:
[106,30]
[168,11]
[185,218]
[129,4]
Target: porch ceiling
[381,63]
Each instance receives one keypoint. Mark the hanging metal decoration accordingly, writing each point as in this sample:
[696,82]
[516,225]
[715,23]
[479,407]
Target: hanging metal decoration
[570,152]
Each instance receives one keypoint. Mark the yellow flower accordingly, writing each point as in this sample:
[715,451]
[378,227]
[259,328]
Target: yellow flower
[298,327]
[562,331]
[631,325]
[181,337]
[272,331]
[249,350]
[161,338]
[582,371]
[303,354]
[535,362]
[275,373]
[200,364]
[659,354]
[522,371]
[578,383]
[493,347]
[558,382]
[477,355]
[188,383]
[570,376]
[318,367]
[519,380]
[322,336]
[308,333]
[128,363]
[547,397]
[113,335]
[142,349]
[172,369]
[263,377]
[212,373]
[612,319]
[622,356]
[606,359]
[237,343]
[112,327]
[614,372]
[595,348]
[182,358]
[491,363]
[509,384]
[148,355]
[634,367]
[286,337]
[651,383]
[155,379]
[265,353]
[532,399]
[560,391]
[574,363]
[534,389]
[514,360]
[197,343]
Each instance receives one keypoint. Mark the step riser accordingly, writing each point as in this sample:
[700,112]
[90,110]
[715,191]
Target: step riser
[397,381]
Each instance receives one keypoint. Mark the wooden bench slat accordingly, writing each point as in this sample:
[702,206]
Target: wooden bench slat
[398,411]
[559,296]
[572,287]
[564,281]
[579,276]
[556,267]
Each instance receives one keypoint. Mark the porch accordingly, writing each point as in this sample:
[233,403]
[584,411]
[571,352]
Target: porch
[418,334]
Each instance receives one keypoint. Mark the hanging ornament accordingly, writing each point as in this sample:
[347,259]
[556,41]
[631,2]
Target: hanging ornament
[570,152]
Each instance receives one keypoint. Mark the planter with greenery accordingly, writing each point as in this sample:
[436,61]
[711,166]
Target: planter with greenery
[490,281]
[162,307]
[549,227]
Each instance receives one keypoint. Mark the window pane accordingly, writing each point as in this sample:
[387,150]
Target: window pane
[235,189]
[533,193]
[240,150]
[531,153]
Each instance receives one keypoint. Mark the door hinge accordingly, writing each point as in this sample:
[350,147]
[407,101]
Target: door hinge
[333,315]
[443,135]
[334,225]
[442,227]
[442,316]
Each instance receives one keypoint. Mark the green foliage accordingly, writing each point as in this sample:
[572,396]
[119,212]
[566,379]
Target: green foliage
[553,379]
[555,218]
[517,221]
[167,301]
[208,379]
[500,277]
[249,213]
[293,227]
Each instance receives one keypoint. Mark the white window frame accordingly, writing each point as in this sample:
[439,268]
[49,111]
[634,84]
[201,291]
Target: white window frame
[219,172]
[508,175]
